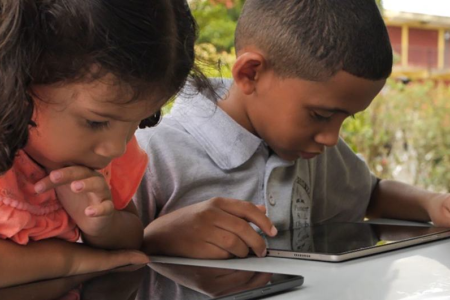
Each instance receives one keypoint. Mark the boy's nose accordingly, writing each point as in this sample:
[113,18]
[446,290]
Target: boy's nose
[328,138]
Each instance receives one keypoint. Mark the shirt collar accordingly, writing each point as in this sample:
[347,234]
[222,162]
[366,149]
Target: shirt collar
[227,143]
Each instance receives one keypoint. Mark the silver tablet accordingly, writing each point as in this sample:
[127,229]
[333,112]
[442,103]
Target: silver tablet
[337,242]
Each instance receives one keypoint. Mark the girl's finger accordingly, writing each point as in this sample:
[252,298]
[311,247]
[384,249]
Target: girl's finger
[105,208]
[96,185]
[64,176]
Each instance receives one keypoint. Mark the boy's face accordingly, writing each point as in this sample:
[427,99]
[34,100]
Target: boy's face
[299,118]
[83,124]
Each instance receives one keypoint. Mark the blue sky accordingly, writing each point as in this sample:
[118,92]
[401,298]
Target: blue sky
[429,7]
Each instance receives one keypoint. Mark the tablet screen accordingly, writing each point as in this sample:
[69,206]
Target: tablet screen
[157,281]
[168,281]
[340,238]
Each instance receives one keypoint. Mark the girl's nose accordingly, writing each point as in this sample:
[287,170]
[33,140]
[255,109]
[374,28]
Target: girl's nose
[111,149]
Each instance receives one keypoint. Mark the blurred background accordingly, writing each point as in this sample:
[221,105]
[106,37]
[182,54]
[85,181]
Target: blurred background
[405,133]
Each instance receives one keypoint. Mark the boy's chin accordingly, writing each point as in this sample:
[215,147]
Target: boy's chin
[295,156]
[287,156]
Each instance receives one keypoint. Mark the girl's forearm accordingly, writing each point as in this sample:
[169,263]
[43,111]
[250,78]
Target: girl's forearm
[55,258]
[125,232]
[36,261]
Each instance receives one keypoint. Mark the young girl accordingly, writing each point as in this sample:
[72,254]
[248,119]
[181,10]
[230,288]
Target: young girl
[76,80]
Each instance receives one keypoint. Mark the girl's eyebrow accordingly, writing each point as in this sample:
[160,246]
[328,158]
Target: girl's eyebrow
[113,116]
[107,115]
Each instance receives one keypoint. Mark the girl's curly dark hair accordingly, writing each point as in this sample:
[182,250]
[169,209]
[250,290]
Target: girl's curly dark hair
[148,45]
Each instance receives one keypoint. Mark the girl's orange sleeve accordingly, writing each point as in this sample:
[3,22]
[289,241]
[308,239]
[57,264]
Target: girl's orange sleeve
[126,174]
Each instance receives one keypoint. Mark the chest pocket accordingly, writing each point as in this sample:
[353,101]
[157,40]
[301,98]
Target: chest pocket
[301,195]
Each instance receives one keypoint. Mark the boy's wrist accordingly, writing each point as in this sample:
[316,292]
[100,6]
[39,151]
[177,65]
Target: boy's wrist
[152,237]
[434,206]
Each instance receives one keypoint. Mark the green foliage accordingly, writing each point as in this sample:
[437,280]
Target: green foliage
[380,4]
[214,63]
[217,22]
[215,46]
[405,134]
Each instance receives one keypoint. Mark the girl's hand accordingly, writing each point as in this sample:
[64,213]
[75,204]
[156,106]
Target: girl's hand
[84,194]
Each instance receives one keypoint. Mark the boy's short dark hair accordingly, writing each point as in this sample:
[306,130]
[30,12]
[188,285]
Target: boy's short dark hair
[314,39]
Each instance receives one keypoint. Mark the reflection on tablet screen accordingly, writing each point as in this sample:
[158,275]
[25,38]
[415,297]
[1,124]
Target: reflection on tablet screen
[341,238]
[167,281]
[158,281]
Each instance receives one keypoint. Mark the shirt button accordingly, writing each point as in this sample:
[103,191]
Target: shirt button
[272,200]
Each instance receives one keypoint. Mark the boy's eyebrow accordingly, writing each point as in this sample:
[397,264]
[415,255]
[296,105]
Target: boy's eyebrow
[334,110]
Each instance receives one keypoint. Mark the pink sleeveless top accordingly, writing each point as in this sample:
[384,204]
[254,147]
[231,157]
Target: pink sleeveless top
[25,215]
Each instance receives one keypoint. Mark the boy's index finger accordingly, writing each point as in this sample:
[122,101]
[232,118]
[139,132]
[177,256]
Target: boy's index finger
[249,212]
[262,208]
[63,176]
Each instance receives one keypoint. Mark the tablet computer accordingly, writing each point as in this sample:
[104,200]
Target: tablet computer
[195,282]
[336,242]
[158,281]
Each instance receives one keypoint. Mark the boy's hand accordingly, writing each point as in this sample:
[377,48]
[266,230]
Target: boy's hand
[439,210]
[85,196]
[217,228]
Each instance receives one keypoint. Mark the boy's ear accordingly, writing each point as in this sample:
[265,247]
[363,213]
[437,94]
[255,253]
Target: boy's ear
[247,70]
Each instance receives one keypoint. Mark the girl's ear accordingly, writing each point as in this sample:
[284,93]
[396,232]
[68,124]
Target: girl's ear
[247,70]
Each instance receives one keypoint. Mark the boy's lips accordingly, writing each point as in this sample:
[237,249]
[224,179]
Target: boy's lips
[308,155]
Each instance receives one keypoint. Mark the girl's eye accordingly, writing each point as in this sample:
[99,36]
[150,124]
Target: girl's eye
[321,117]
[97,125]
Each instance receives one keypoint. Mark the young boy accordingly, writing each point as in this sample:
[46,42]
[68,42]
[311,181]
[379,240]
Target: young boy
[302,68]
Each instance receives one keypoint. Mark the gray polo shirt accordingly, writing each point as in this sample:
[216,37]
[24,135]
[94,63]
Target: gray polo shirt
[198,152]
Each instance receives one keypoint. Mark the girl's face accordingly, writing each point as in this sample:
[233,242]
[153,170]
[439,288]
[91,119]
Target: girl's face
[84,124]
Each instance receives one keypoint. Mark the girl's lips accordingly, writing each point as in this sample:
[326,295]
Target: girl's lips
[89,166]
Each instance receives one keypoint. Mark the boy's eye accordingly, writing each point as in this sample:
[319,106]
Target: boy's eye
[322,117]
[97,125]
